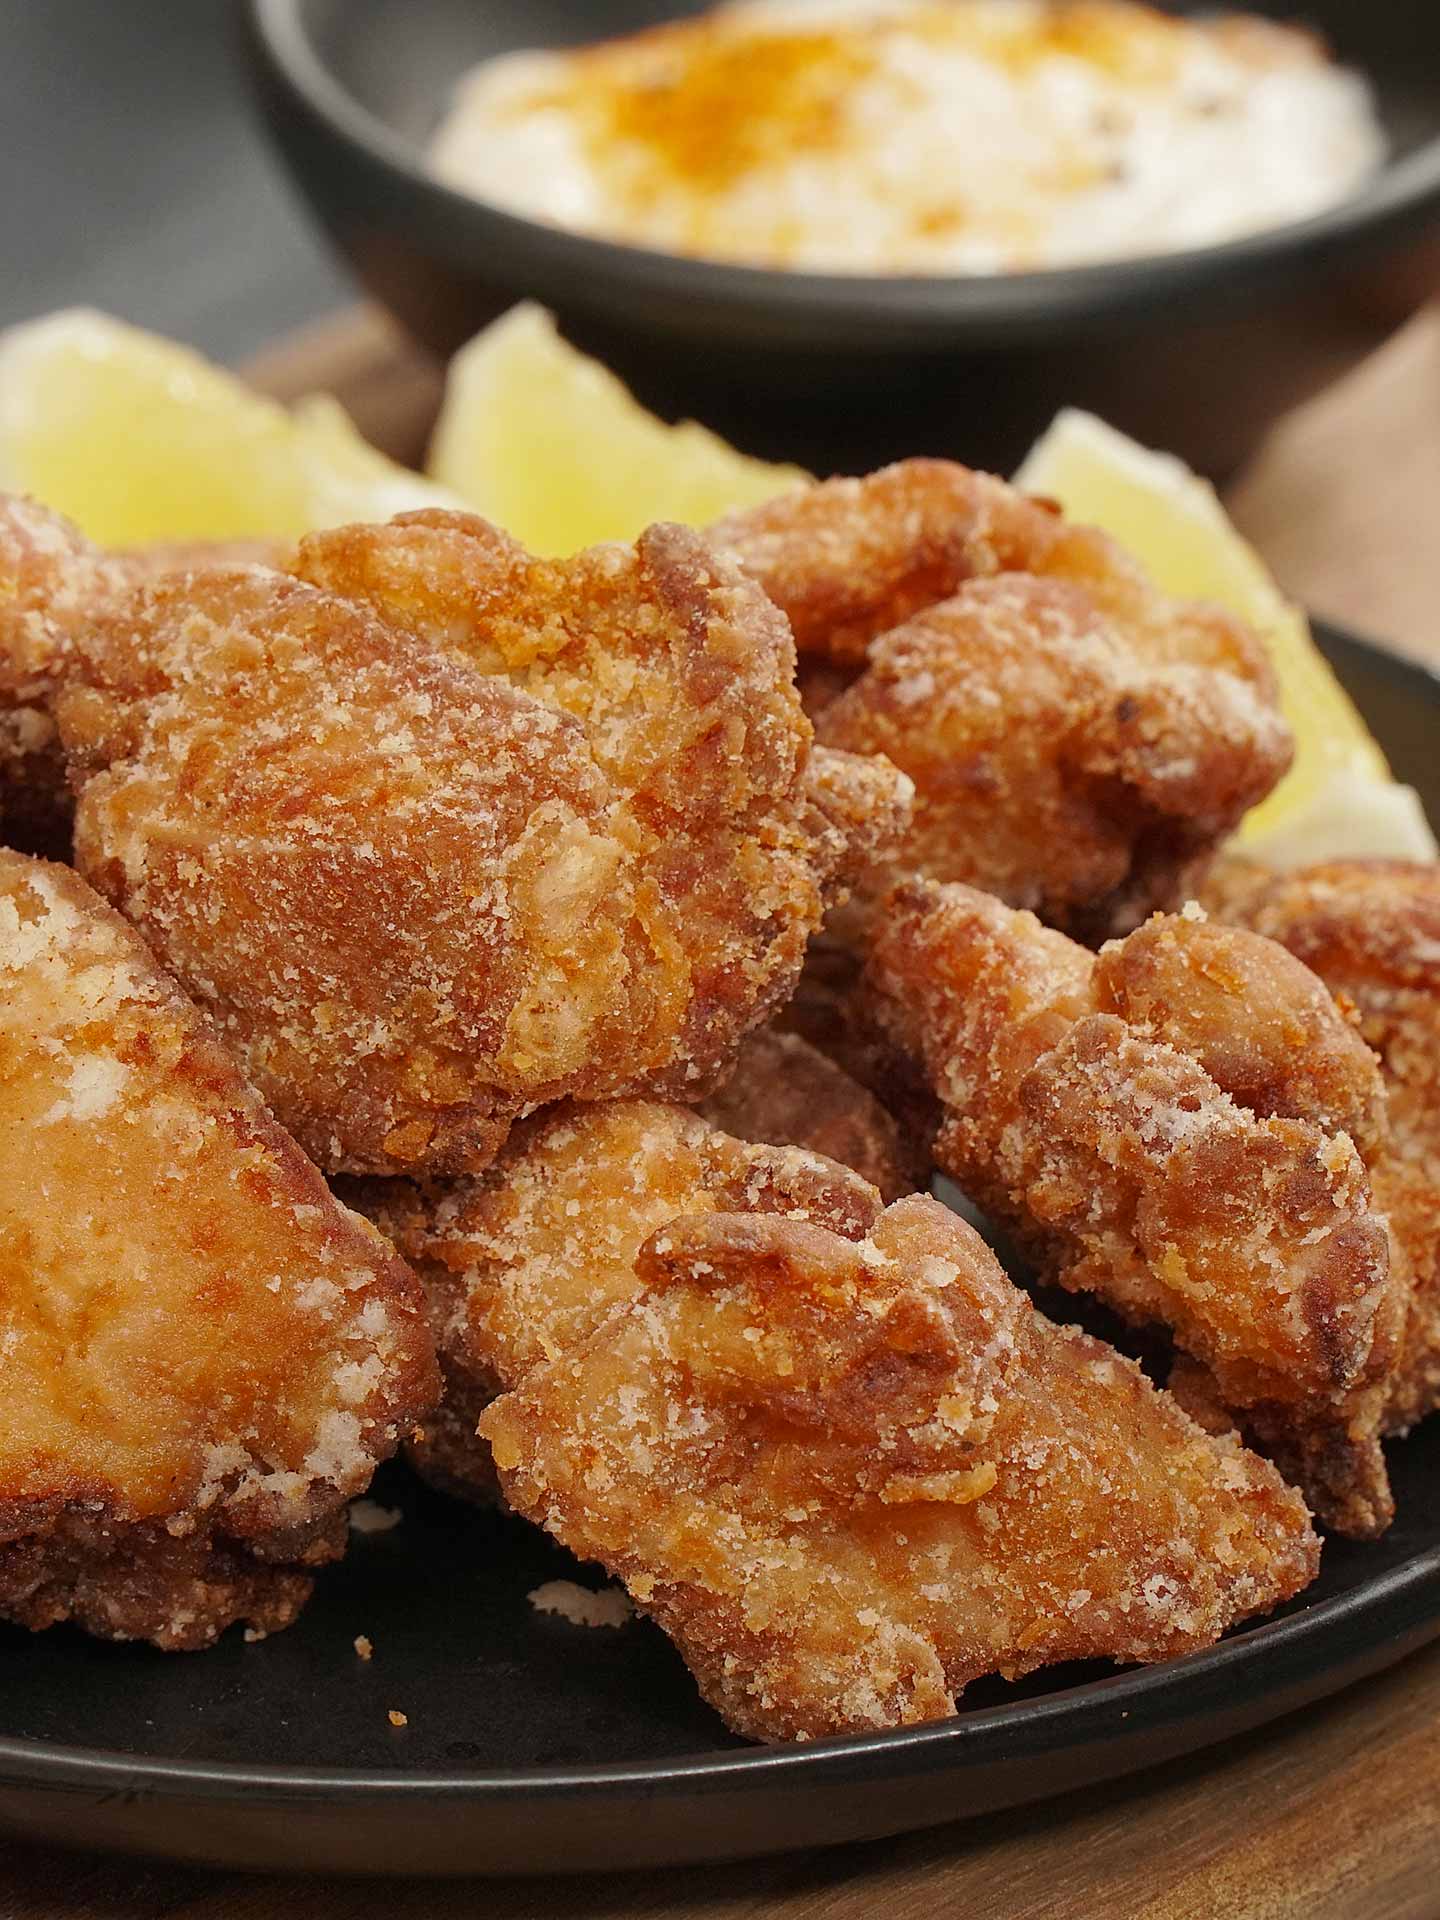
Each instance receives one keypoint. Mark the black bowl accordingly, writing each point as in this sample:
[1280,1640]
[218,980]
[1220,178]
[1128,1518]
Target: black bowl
[1198,351]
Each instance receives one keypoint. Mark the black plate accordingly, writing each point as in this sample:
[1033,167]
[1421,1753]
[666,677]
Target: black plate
[533,1745]
[1198,351]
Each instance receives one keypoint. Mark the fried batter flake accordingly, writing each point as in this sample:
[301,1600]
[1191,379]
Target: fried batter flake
[1172,1126]
[202,1355]
[1079,742]
[850,1474]
[439,832]
[1371,930]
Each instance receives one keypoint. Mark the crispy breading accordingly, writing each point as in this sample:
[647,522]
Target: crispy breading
[785,1092]
[852,558]
[49,577]
[52,583]
[681,678]
[1166,1126]
[524,1259]
[850,1474]
[202,1355]
[1079,742]
[1371,930]
[1056,763]
[480,833]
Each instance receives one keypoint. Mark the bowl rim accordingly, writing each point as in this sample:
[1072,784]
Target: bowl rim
[1404,195]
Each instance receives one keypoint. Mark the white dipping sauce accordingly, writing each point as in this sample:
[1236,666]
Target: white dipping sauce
[920,136]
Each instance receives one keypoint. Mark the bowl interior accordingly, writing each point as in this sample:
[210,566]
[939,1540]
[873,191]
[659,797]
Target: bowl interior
[400,59]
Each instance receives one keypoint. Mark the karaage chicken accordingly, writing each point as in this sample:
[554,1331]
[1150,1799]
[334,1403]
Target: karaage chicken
[1176,1126]
[1079,742]
[786,1093]
[202,1355]
[53,585]
[474,834]
[526,1258]
[1371,930]
[850,1472]
[49,577]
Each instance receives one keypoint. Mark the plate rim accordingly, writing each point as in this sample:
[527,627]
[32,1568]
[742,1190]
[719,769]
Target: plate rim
[46,1764]
[1392,1600]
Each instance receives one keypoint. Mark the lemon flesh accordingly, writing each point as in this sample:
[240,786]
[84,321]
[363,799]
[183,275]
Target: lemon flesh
[551,446]
[1339,799]
[138,439]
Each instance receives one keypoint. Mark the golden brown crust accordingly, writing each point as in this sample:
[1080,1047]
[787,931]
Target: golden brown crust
[49,578]
[833,1452]
[202,1356]
[850,1476]
[52,585]
[1371,930]
[785,1092]
[680,672]
[1290,1053]
[1056,763]
[1083,1108]
[140,1583]
[1079,743]
[852,558]
[460,832]
[525,1259]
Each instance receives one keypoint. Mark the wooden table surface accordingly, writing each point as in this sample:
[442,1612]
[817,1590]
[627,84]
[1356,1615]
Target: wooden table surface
[1333,1814]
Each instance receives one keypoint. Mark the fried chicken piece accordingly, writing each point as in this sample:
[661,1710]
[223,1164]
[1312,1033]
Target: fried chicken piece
[478,835]
[833,1451]
[1173,1126]
[849,1474]
[785,1092]
[1079,742]
[202,1355]
[525,1259]
[1371,930]
[680,674]
[49,576]
[851,558]
[52,584]
[1056,763]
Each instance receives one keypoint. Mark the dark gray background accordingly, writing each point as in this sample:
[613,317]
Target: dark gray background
[133,177]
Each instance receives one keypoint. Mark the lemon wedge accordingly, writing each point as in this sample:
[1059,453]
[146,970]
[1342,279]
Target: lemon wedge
[138,440]
[344,478]
[1339,799]
[553,447]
